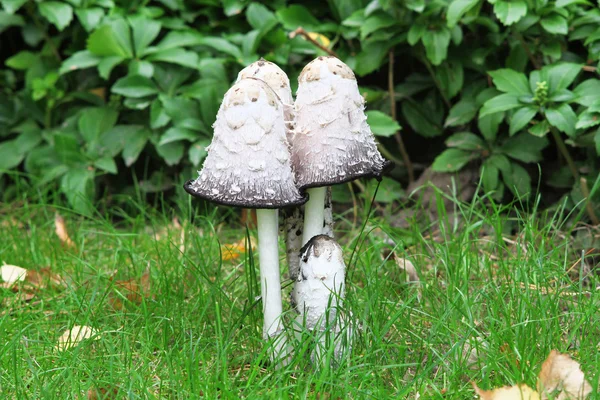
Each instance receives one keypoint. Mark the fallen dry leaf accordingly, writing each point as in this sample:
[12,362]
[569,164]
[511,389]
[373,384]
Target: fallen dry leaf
[560,373]
[233,251]
[11,274]
[72,337]
[519,392]
[133,290]
[408,267]
[61,230]
[102,393]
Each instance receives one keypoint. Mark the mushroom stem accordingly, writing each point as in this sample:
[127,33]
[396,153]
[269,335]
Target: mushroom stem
[314,213]
[270,278]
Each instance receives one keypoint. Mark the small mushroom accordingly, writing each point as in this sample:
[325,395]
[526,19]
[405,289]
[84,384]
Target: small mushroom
[319,291]
[248,165]
[332,143]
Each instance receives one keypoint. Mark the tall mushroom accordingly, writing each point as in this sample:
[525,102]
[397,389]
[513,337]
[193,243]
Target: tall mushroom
[248,165]
[332,142]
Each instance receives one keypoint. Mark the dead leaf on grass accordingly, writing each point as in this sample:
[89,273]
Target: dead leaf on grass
[11,274]
[408,267]
[61,230]
[233,251]
[563,374]
[102,393]
[72,337]
[519,392]
[560,378]
[133,290]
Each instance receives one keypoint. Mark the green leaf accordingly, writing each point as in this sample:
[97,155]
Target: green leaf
[57,13]
[415,33]
[503,102]
[560,76]
[77,185]
[198,151]
[524,147]
[12,6]
[466,141]
[7,20]
[89,17]
[563,118]
[144,32]
[22,60]
[135,86]
[96,120]
[562,96]
[597,141]
[80,60]
[461,113]
[517,180]
[221,45]
[540,129]
[10,156]
[509,12]
[489,124]
[297,15]
[419,119]
[260,17]
[489,176]
[521,118]
[436,44]
[143,68]
[176,56]
[232,7]
[587,120]
[158,115]
[587,92]
[135,143]
[104,43]
[371,57]
[450,75]
[510,81]
[107,64]
[451,160]
[171,152]
[382,124]
[457,9]
[555,24]
[176,134]
[106,164]
[375,22]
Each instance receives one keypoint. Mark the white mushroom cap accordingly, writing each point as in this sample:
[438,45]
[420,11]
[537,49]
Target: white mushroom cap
[333,142]
[248,162]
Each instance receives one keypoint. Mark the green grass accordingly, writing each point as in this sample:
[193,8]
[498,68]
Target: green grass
[199,333]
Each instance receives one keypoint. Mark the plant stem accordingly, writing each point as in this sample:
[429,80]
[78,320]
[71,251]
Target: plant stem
[588,203]
[565,152]
[435,81]
[407,164]
[314,211]
[270,279]
[534,62]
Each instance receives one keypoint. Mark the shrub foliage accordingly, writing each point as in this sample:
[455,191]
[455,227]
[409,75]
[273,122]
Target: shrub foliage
[91,87]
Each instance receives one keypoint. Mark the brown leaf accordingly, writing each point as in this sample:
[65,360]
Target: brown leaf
[408,267]
[61,230]
[561,373]
[43,278]
[133,290]
[233,251]
[72,337]
[519,392]
[11,274]
[102,393]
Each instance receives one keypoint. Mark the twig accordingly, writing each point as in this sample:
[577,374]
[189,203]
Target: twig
[300,31]
[407,164]
[589,68]
[588,201]
[565,152]
[535,63]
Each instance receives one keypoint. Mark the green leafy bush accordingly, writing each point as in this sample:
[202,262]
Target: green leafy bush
[92,87]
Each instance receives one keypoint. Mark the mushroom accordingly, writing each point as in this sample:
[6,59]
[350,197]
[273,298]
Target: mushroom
[293,217]
[332,141]
[248,165]
[318,292]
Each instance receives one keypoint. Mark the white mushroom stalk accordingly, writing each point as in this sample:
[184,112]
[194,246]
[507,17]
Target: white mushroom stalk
[319,291]
[248,165]
[332,142]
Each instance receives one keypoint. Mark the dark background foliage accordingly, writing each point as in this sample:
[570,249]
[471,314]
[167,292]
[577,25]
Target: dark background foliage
[101,98]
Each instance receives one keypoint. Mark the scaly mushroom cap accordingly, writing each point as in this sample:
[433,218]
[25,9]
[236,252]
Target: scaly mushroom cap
[279,82]
[332,142]
[248,162]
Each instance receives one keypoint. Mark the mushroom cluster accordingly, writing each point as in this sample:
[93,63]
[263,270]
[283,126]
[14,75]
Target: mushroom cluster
[269,152]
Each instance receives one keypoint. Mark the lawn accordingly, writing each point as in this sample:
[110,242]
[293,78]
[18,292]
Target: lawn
[177,316]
